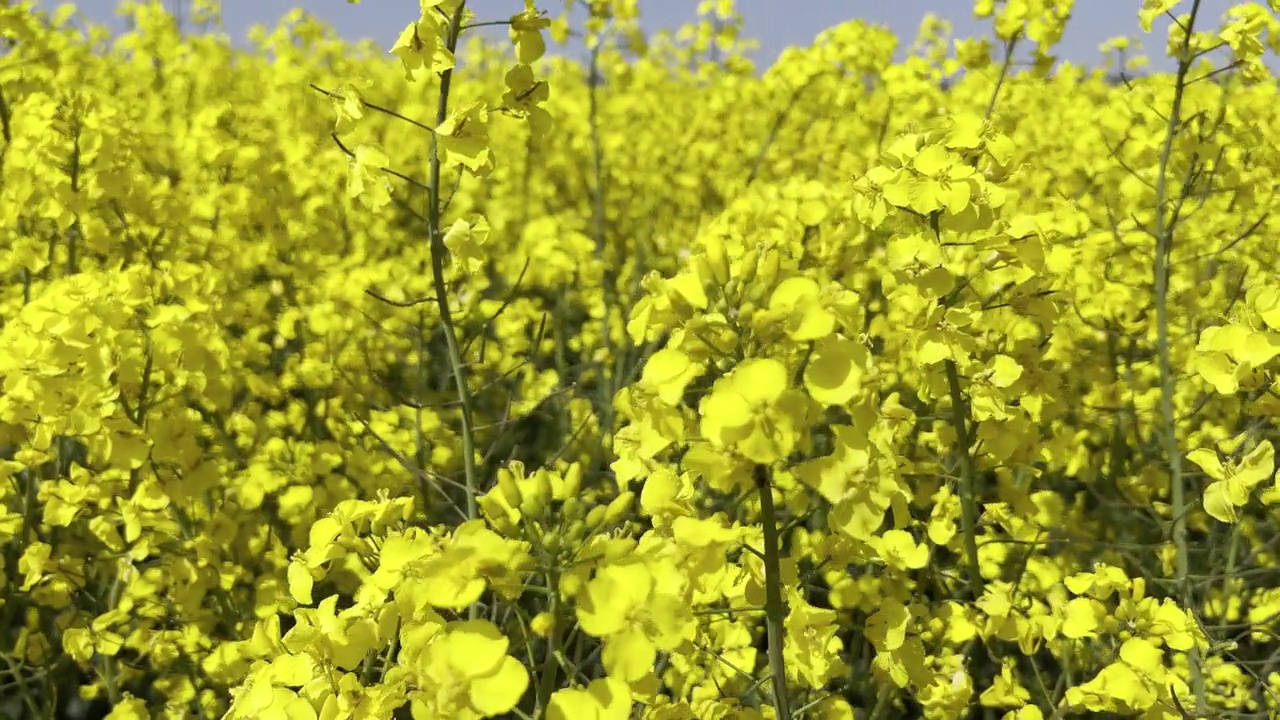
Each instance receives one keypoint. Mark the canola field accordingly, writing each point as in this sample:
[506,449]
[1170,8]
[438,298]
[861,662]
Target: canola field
[902,378]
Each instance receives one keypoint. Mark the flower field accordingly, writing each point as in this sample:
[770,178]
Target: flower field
[903,378]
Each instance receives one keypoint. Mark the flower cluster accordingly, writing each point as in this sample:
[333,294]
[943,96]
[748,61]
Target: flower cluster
[462,380]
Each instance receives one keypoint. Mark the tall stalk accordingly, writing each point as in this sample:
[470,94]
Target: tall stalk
[598,231]
[438,255]
[775,609]
[968,493]
[960,409]
[1163,232]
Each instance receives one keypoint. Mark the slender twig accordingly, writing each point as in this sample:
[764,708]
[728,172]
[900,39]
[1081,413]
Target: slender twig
[390,171]
[776,127]
[372,106]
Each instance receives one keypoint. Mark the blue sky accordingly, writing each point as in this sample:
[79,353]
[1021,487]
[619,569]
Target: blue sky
[776,24]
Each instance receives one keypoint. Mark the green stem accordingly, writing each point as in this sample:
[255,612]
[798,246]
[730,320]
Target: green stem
[960,411]
[109,662]
[609,281]
[883,704]
[1229,573]
[968,499]
[438,254]
[1164,244]
[775,610]
[420,388]
[547,684]
[18,672]
[1009,47]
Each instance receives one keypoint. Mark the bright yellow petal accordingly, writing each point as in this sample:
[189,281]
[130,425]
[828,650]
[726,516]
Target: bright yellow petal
[628,656]
[760,380]
[1217,502]
[498,693]
[475,648]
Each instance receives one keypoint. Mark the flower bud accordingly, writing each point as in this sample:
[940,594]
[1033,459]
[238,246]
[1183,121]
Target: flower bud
[595,516]
[542,624]
[572,482]
[716,259]
[747,267]
[617,509]
[508,486]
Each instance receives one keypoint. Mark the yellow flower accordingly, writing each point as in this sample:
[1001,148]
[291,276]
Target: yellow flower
[465,672]
[1232,485]
[604,699]
[526,33]
[752,411]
